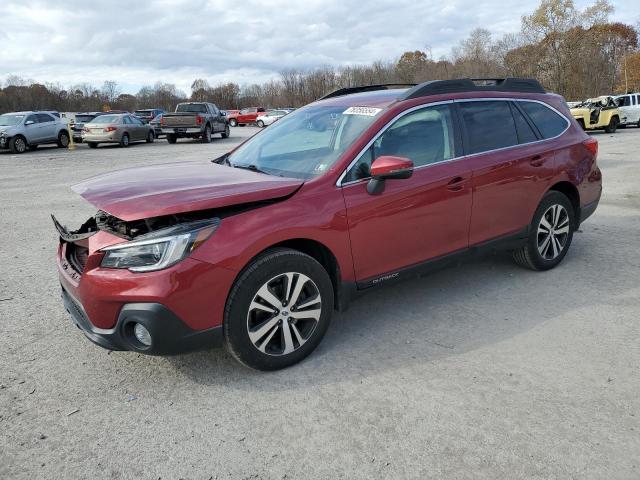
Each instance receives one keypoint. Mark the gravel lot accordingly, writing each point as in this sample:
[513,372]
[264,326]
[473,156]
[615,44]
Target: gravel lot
[481,371]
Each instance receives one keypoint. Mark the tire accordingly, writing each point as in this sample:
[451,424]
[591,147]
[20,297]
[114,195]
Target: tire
[258,335]
[92,144]
[233,122]
[638,124]
[171,138]
[18,144]
[613,125]
[124,140]
[260,123]
[544,251]
[151,137]
[206,135]
[226,132]
[63,139]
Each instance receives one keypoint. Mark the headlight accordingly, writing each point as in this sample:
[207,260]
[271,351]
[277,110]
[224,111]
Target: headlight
[159,249]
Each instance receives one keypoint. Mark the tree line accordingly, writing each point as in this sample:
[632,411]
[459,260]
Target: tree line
[577,53]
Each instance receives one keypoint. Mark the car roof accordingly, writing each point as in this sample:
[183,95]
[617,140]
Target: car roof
[376,98]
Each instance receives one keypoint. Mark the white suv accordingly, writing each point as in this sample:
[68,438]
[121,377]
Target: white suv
[20,131]
[629,106]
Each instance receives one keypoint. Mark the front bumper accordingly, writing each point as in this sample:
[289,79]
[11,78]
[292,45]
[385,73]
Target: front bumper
[169,334]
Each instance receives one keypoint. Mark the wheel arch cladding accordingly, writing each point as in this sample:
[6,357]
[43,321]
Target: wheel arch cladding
[571,192]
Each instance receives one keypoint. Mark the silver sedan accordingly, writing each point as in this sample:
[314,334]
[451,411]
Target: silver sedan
[116,128]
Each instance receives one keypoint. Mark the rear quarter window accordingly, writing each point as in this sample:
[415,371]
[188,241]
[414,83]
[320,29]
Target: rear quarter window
[549,123]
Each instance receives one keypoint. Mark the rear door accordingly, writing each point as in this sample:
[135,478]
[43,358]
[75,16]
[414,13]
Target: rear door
[511,166]
[415,219]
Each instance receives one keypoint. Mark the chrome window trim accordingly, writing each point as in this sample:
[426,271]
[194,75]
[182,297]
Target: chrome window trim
[445,102]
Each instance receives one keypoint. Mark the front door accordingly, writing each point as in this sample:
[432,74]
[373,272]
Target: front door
[416,219]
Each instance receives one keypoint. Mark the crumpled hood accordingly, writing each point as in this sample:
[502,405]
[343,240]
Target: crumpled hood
[6,129]
[153,191]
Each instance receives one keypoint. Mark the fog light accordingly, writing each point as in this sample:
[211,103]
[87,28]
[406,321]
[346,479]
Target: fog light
[142,334]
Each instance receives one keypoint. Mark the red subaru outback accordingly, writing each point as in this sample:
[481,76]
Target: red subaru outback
[368,185]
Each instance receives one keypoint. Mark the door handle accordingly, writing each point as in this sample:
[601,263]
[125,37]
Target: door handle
[455,184]
[537,160]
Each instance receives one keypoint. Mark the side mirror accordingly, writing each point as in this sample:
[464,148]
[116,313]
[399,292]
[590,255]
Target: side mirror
[29,122]
[388,167]
[223,114]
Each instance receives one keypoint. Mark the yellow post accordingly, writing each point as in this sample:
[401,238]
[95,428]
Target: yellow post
[72,145]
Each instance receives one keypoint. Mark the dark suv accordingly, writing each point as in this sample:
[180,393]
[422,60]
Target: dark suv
[366,186]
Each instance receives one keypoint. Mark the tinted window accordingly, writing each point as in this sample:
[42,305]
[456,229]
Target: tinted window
[525,132]
[424,136]
[549,123]
[489,125]
[192,107]
[624,101]
[44,118]
[31,118]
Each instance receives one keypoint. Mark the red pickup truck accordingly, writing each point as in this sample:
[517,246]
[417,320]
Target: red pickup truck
[245,116]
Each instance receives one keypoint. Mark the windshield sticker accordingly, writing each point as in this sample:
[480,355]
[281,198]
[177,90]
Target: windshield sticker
[321,167]
[367,111]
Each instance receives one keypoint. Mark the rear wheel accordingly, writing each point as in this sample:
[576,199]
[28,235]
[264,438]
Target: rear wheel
[206,135]
[233,122]
[550,234]
[92,144]
[124,140]
[226,132]
[613,125]
[278,310]
[18,144]
[150,137]
[63,139]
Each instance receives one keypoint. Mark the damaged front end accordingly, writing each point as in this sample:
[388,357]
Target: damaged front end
[150,244]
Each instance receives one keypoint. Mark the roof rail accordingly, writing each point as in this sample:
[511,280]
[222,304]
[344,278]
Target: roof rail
[364,88]
[435,87]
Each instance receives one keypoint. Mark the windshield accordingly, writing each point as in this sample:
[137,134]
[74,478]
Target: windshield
[8,120]
[305,143]
[106,119]
[192,107]
[143,113]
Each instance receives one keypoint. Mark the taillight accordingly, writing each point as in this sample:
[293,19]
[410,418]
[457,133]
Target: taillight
[110,129]
[198,119]
[592,145]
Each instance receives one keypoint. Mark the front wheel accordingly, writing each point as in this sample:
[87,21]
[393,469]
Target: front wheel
[226,132]
[150,137]
[550,234]
[260,123]
[18,144]
[278,310]
[92,144]
[233,122]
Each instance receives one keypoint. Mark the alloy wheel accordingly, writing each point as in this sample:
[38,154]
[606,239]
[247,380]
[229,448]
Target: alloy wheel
[553,232]
[284,313]
[21,145]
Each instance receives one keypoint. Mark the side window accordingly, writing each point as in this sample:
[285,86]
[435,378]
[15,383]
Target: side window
[489,125]
[44,118]
[525,132]
[424,136]
[549,123]
[625,101]
[136,120]
[127,120]
[31,118]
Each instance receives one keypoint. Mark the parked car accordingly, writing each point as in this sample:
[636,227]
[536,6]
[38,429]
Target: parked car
[156,125]
[598,113]
[116,128]
[245,116]
[229,113]
[258,247]
[269,117]
[148,114]
[629,106]
[194,120]
[20,131]
[77,125]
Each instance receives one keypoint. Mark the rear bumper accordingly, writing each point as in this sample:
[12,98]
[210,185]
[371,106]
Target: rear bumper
[587,210]
[169,334]
[182,130]
[106,138]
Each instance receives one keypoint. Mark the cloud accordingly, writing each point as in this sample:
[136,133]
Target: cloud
[138,43]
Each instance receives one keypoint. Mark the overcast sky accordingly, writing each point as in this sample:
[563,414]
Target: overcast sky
[140,42]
